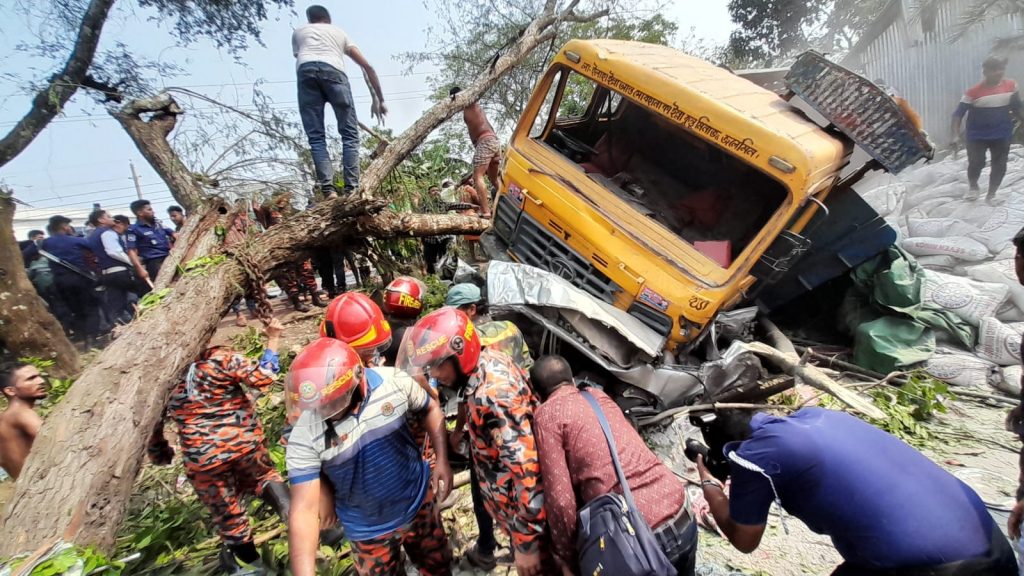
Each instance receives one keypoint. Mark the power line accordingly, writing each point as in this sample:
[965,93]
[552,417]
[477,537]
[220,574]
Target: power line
[62,197]
[253,83]
[358,100]
[162,196]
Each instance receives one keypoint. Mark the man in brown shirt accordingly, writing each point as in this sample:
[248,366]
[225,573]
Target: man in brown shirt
[22,385]
[575,459]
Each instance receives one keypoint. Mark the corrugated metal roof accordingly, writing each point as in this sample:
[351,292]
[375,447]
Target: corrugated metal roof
[927,67]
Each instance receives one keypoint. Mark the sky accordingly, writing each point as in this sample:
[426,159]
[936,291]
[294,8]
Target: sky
[83,156]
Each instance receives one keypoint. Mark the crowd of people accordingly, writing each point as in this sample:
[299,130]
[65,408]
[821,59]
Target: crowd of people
[91,275]
[368,455]
[368,452]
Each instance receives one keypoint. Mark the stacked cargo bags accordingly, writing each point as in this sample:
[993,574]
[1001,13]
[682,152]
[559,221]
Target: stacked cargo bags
[959,308]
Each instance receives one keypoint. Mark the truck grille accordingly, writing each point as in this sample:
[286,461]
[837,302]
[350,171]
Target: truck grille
[534,245]
[860,109]
[505,218]
[654,320]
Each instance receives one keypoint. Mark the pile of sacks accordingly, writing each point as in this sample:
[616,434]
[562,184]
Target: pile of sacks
[966,250]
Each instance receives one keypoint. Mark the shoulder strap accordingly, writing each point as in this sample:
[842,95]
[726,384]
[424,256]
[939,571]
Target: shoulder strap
[611,446]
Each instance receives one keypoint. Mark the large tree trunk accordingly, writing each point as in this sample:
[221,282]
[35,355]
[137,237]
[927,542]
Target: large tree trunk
[150,136]
[51,99]
[26,326]
[78,478]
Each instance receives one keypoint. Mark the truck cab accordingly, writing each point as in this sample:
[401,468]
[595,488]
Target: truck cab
[660,183]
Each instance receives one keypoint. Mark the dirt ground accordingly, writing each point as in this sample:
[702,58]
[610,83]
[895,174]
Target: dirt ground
[971,443]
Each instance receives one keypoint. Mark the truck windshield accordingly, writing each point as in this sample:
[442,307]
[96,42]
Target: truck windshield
[709,198]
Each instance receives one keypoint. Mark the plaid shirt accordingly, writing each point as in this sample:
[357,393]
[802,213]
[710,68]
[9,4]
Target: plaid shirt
[577,465]
[500,408]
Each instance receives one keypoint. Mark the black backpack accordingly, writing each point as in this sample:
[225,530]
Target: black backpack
[612,537]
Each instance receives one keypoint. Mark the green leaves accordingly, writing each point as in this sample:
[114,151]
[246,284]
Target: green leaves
[249,343]
[202,266]
[909,406]
[152,300]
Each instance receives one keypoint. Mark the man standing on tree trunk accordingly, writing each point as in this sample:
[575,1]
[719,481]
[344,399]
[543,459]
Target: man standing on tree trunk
[22,386]
[486,154]
[149,242]
[320,49]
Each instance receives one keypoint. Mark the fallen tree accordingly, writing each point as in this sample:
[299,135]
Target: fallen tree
[79,476]
[26,326]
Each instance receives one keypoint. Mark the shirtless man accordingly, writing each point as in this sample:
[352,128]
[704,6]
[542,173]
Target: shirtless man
[487,154]
[22,385]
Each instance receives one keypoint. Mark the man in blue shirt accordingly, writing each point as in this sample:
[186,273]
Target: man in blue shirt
[71,277]
[889,510]
[148,240]
[989,107]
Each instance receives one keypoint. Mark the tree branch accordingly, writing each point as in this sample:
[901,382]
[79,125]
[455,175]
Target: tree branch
[150,137]
[51,100]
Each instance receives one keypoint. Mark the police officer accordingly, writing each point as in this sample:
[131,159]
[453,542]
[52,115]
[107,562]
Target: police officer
[148,241]
[71,277]
[114,265]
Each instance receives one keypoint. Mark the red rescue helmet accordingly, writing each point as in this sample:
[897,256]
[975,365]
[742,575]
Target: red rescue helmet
[403,297]
[444,333]
[322,379]
[357,321]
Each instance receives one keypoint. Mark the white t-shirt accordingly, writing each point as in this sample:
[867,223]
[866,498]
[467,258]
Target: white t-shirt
[320,43]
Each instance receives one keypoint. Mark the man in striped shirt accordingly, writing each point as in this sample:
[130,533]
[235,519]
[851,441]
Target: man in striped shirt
[354,430]
[989,107]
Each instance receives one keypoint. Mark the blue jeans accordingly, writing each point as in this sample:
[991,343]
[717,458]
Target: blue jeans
[319,84]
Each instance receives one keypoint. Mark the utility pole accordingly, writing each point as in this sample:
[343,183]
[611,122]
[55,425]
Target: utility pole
[135,177]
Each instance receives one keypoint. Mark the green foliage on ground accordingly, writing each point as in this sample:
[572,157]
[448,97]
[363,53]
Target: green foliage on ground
[907,408]
[249,343]
[69,559]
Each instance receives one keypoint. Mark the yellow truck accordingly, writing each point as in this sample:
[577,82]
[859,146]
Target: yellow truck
[670,188]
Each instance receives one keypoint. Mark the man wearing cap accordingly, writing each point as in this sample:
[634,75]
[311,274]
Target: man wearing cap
[500,334]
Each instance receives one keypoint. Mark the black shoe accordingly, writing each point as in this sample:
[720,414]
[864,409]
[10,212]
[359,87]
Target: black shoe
[230,564]
[298,305]
[316,301]
[478,559]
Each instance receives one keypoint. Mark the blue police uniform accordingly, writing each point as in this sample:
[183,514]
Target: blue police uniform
[77,291]
[153,244]
[115,276]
